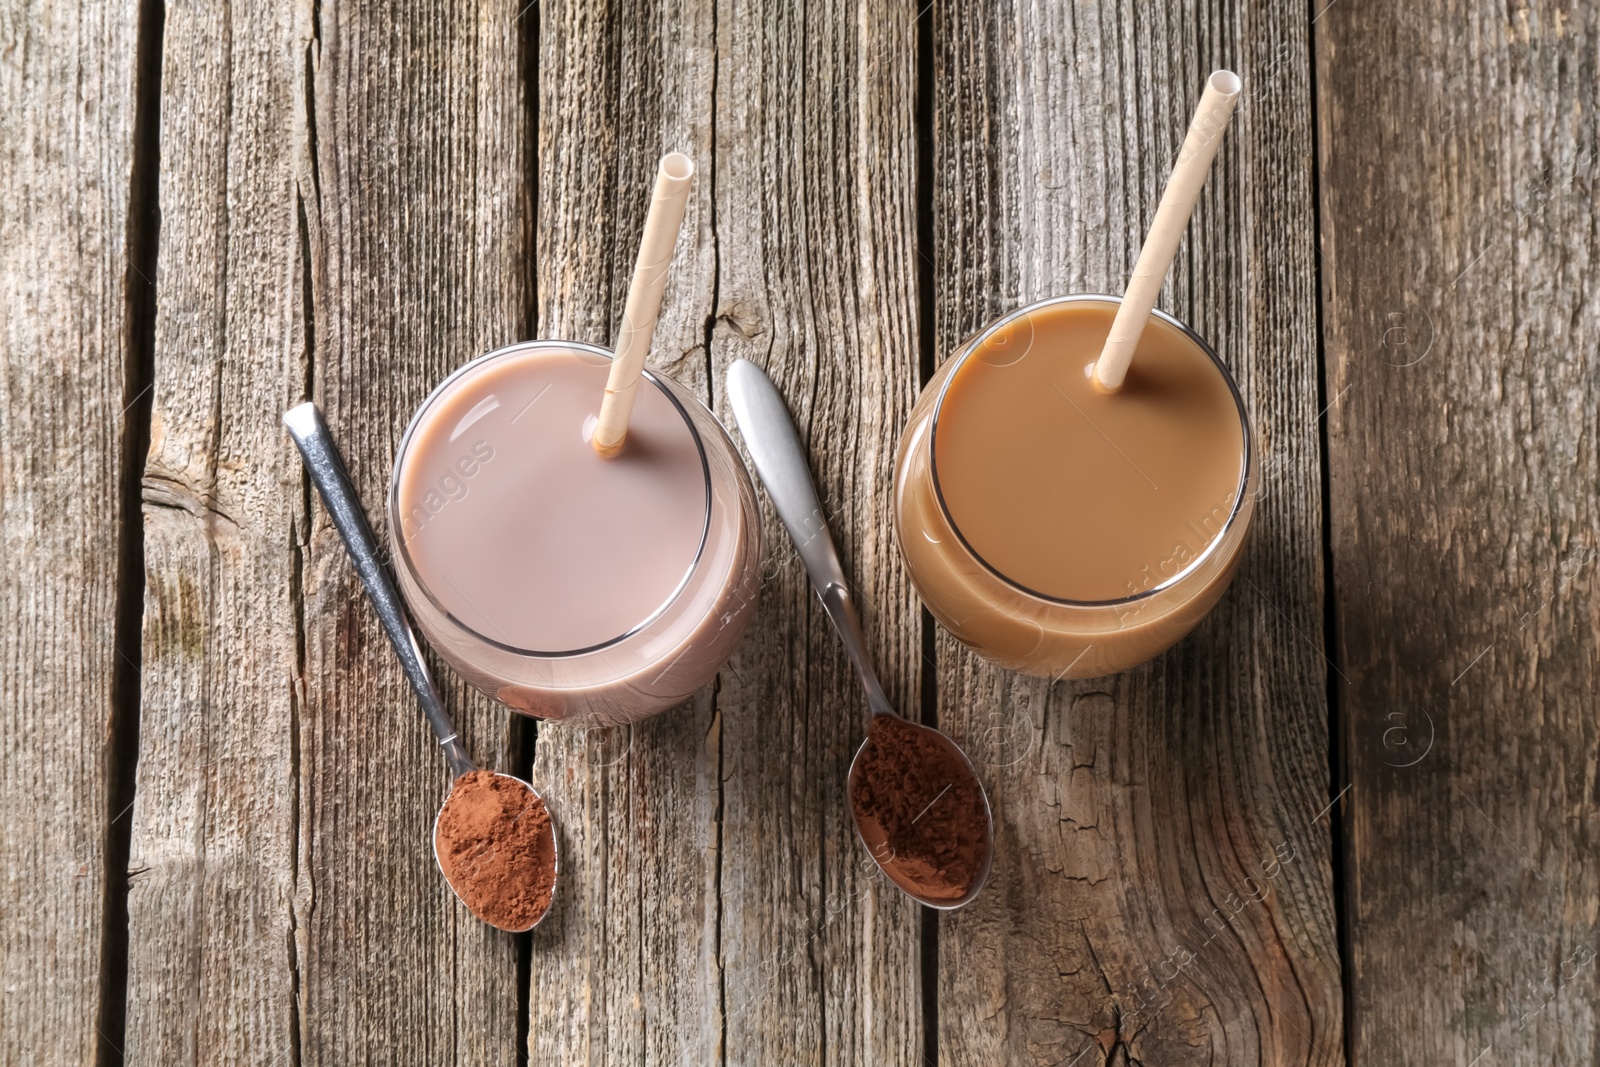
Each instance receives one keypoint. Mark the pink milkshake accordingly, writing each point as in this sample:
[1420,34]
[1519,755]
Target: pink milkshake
[566,585]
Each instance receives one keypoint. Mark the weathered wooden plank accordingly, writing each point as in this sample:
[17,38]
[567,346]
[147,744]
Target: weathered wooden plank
[66,159]
[1459,201]
[1142,907]
[716,888]
[626,969]
[416,133]
[816,236]
[211,968]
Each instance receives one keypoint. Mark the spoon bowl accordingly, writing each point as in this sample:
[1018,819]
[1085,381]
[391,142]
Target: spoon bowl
[877,848]
[555,866]
[326,467]
[774,446]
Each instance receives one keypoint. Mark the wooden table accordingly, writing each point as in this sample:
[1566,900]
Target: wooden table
[1354,816]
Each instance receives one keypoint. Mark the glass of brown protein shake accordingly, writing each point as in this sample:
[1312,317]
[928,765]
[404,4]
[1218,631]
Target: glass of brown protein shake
[1062,531]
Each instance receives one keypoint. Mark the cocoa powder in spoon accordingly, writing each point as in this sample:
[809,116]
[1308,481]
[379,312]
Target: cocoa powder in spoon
[497,847]
[920,812]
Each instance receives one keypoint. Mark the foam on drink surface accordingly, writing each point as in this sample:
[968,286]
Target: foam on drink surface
[518,529]
[1076,494]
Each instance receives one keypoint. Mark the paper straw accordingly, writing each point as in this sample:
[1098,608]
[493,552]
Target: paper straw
[1172,218]
[639,315]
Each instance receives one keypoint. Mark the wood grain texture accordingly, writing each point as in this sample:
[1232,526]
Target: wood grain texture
[1460,165]
[416,147]
[348,202]
[66,160]
[816,235]
[1162,891]
[625,970]
[717,910]
[211,972]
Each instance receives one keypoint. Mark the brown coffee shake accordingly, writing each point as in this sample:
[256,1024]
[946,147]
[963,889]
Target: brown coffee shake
[1074,493]
[1061,530]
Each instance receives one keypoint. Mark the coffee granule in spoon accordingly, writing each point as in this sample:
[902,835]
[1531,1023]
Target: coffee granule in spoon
[919,809]
[497,848]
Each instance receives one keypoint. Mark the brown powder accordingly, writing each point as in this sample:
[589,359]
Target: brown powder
[497,849]
[920,810]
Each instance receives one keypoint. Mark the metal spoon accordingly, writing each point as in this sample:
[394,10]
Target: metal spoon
[770,435]
[327,471]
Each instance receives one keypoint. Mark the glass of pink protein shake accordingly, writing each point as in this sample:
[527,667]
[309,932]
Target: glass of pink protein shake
[567,585]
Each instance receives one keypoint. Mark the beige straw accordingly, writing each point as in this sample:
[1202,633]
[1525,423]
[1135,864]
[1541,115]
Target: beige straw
[644,300]
[1172,218]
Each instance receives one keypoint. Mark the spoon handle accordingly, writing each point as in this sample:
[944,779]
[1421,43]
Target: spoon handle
[770,435]
[327,471]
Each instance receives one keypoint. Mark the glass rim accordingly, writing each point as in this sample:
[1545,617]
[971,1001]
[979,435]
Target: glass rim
[398,531]
[1247,457]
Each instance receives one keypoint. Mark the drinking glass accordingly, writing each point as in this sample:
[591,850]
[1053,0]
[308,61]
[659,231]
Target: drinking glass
[661,660]
[1025,630]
